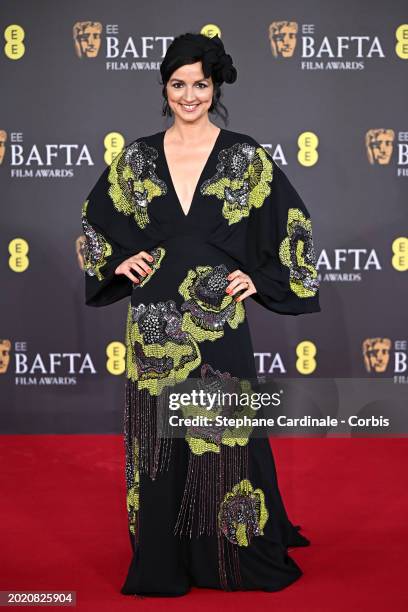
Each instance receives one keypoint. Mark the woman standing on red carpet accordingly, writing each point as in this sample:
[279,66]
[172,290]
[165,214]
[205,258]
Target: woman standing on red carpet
[190,222]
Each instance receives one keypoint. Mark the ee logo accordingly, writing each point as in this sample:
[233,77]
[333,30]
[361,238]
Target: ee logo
[14,48]
[18,260]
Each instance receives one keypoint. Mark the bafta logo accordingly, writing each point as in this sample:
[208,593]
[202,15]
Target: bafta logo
[379,145]
[87,38]
[5,346]
[376,352]
[282,37]
[3,139]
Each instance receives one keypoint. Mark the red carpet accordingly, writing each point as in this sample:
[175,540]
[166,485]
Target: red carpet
[64,524]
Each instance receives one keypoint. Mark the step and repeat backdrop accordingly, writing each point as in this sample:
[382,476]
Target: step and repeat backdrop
[322,85]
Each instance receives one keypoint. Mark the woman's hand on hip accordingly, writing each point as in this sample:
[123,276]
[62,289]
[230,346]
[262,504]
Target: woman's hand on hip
[240,281]
[135,263]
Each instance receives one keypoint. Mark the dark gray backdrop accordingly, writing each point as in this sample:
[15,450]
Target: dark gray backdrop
[53,97]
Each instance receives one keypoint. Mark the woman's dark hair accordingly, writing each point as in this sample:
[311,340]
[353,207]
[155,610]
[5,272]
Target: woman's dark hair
[190,48]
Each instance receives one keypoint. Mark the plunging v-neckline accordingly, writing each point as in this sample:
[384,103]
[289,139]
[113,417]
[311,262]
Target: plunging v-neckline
[209,158]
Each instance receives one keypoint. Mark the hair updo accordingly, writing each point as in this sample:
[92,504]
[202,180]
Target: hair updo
[190,48]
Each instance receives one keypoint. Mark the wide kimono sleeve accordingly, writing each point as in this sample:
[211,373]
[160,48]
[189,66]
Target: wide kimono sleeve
[281,257]
[111,236]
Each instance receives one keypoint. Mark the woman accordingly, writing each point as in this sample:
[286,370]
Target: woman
[190,222]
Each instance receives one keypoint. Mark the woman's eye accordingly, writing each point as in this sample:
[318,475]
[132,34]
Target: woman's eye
[200,85]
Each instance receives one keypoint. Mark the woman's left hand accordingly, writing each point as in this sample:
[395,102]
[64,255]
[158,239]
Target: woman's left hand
[240,280]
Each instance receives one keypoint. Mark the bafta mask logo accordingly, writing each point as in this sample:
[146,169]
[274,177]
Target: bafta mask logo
[3,140]
[87,38]
[379,145]
[79,248]
[5,346]
[282,37]
[376,353]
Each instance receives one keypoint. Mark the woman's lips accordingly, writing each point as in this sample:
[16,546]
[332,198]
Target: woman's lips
[189,108]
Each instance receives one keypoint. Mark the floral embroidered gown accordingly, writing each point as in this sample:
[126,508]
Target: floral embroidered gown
[204,509]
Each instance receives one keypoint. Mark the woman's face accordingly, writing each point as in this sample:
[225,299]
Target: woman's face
[189,93]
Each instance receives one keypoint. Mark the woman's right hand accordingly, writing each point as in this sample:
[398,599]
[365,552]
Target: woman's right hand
[136,262]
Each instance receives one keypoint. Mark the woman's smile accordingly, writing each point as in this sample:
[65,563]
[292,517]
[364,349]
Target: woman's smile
[190,107]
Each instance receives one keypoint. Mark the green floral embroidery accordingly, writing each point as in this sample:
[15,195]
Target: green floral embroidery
[242,181]
[297,252]
[209,436]
[134,182]
[243,513]
[96,248]
[159,353]
[157,255]
[207,307]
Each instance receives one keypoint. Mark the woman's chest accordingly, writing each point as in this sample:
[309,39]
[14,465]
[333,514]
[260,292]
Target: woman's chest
[190,189]
[185,168]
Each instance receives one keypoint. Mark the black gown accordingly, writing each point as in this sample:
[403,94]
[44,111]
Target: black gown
[204,507]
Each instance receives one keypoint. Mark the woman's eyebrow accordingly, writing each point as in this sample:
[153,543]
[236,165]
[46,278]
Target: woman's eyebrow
[181,80]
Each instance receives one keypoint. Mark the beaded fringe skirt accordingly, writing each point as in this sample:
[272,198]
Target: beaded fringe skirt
[207,496]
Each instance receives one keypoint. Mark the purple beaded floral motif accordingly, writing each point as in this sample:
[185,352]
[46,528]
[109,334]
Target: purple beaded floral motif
[134,182]
[206,305]
[159,351]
